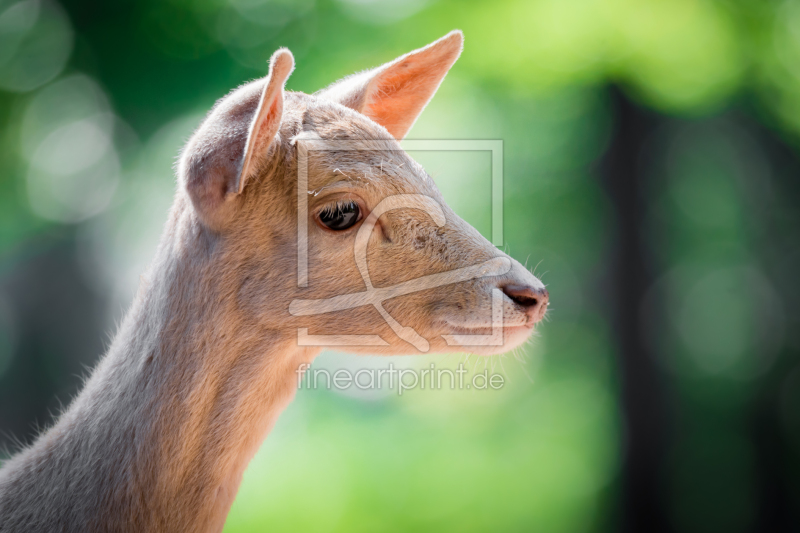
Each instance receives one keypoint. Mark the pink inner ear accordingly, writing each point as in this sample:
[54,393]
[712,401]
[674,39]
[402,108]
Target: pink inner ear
[397,97]
[268,125]
[263,130]
[398,94]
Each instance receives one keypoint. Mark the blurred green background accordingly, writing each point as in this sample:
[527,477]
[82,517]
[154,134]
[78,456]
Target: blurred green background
[651,174]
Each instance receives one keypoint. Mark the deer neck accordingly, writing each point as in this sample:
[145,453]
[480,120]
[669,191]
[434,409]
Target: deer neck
[218,378]
[187,392]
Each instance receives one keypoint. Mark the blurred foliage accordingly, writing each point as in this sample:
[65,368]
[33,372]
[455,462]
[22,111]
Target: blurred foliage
[96,99]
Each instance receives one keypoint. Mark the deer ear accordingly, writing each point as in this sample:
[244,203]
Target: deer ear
[230,144]
[394,94]
[267,120]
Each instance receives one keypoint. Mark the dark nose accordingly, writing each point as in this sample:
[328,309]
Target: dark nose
[533,300]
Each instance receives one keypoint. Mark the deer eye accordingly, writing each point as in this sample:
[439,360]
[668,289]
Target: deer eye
[340,216]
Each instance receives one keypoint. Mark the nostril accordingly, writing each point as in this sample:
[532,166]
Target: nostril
[525,295]
[525,301]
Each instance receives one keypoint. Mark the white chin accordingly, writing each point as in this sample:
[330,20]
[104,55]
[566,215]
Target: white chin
[512,337]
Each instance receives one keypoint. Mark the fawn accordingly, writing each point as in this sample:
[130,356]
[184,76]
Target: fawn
[206,358]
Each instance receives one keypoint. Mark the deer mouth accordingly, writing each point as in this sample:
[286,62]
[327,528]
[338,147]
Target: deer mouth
[487,329]
[521,324]
[485,340]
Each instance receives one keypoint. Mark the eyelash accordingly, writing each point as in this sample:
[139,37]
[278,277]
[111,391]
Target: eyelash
[337,206]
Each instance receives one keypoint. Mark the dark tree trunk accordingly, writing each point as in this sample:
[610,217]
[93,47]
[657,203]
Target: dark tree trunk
[646,430]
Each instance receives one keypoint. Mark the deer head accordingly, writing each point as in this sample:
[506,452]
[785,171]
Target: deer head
[367,218]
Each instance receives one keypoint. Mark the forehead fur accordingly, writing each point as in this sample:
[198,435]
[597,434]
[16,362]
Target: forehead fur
[373,157]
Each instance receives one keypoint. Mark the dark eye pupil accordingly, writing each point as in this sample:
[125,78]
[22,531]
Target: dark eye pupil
[340,217]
